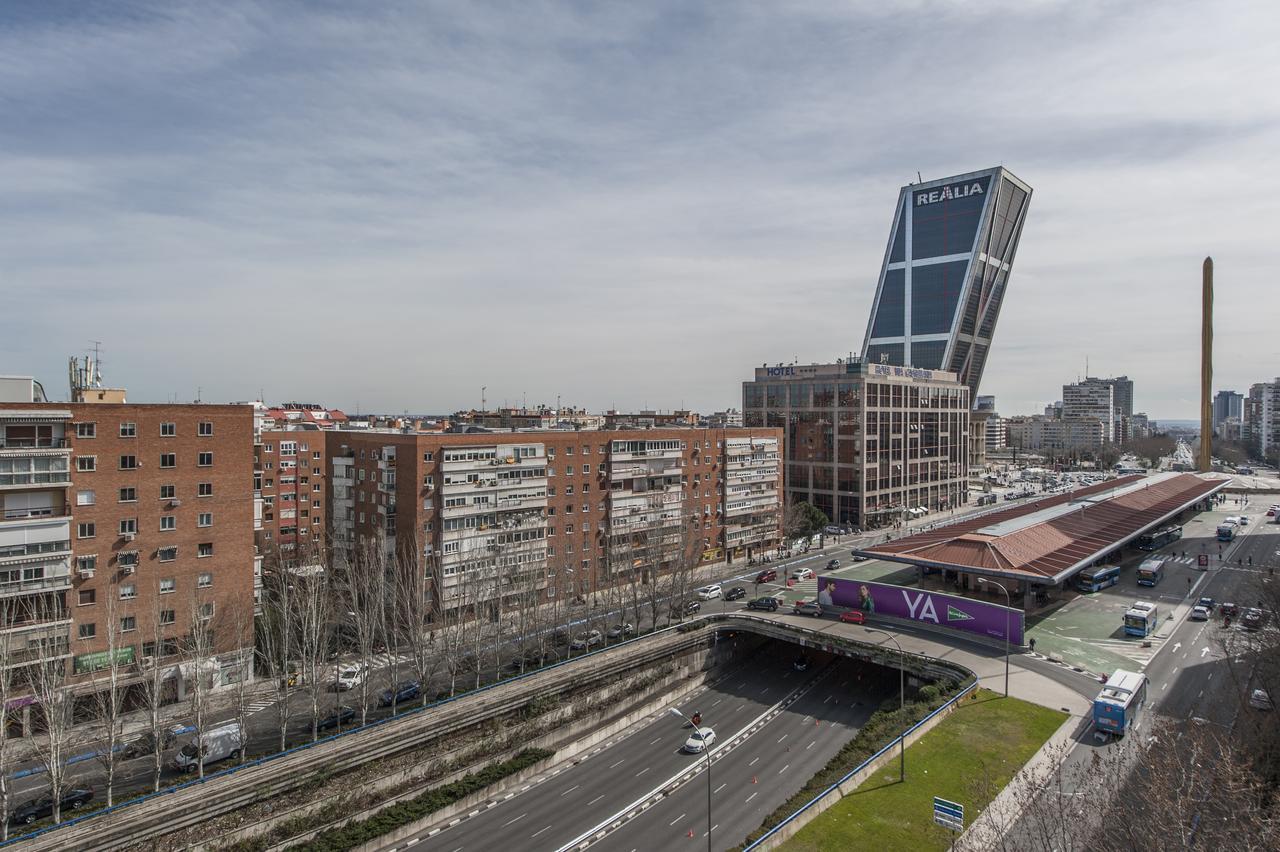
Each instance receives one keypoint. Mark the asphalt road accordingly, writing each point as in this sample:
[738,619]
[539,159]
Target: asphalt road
[557,809]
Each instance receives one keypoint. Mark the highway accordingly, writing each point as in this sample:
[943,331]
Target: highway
[563,806]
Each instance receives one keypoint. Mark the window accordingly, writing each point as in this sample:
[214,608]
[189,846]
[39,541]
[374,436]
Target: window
[85,529]
[86,464]
[167,554]
[204,519]
[128,495]
[128,430]
[586,469]
[86,564]
[166,616]
[205,460]
[88,631]
[128,462]
[128,623]
[206,611]
[205,580]
[168,430]
[204,428]
[168,459]
[127,558]
[85,498]
[168,523]
[128,591]
[128,526]
[168,492]
[86,430]
[88,597]
[205,549]
[205,489]
[168,585]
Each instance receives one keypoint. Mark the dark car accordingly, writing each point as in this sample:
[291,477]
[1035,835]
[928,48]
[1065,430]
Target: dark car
[858,557]
[833,564]
[146,744]
[406,691]
[736,593]
[766,604]
[768,575]
[43,806]
[1252,618]
[341,716]
[801,664]
[1229,610]
[688,608]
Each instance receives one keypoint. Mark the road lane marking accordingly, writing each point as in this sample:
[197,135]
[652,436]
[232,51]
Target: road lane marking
[721,787]
[571,789]
[811,745]
[676,820]
[655,742]
[784,769]
[752,796]
[642,771]
[753,762]
[619,763]
[596,799]
[539,831]
[783,737]
[517,819]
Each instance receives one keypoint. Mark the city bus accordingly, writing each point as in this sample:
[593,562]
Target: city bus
[1159,538]
[1097,578]
[1150,572]
[1141,619]
[1226,532]
[1116,708]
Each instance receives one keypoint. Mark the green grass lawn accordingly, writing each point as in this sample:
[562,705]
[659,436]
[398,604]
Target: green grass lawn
[968,758]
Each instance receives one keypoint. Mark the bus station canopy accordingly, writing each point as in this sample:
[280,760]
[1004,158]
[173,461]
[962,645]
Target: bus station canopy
[1048,540]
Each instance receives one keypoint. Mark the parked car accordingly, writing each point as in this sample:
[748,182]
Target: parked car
[349,676]
[220,743]
[808,608]
[617,631]
[858,557]
[339,717]
[853,616]
[687,608]
[1260,700]
[145,744]
[833,564]
[711,592]
[768,575]
[699,740]
[585,640]
[1207,603]
[402,692]
[735,594]
[1244,520]
[1252,618]
[42,807]
[1199,613]
[766,604]
[802,574]
[1229,610]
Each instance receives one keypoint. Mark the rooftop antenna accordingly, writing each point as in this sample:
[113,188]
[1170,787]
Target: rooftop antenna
[918,178]
[483,388]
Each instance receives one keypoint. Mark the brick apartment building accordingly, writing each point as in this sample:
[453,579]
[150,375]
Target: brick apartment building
[147,506]
[556,505]
[289,482]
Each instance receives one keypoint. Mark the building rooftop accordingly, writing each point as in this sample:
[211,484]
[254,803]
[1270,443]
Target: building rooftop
[1050,539]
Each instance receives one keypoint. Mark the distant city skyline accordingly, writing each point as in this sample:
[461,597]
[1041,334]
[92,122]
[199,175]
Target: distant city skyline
[622,207]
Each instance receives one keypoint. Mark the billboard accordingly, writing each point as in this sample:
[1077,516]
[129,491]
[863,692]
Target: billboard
[937,608]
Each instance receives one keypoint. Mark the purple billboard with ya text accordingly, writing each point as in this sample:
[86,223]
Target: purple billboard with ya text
[943,610]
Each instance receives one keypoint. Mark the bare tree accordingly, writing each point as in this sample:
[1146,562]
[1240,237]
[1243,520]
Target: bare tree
[53,705]
[313,606]
[275,641]
[361,589]
[9,661]
[157,678]
[108,694]
[415,611]
[198,648]
[238,616]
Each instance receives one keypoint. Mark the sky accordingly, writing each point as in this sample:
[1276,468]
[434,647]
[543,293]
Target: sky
[388,206]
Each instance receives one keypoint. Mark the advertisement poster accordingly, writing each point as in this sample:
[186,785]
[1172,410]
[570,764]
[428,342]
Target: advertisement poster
[951,611]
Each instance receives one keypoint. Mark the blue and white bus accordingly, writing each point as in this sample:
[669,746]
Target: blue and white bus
[1141,619]
[1158,539]
[1151,571]
[1227,530]
[1097,578]
[1117,706]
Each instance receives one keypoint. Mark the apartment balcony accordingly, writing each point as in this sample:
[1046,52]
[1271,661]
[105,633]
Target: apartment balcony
[57,478]
[761,505]
[750,462]
[645,455]
[500,461]
[57,578]
[36,640]
[647,471]
[26,446]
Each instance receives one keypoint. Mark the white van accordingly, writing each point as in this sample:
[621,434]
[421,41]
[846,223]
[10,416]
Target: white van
[220,743]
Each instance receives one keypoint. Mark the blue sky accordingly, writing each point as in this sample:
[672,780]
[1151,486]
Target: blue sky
[390,205]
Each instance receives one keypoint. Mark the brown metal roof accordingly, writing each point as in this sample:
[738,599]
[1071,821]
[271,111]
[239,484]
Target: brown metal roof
[1047,549]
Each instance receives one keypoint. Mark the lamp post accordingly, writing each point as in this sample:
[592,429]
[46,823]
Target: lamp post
[982,581]
[706,749]
[902,701]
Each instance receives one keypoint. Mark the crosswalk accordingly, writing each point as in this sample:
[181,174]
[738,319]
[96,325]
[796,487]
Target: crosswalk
[259,705]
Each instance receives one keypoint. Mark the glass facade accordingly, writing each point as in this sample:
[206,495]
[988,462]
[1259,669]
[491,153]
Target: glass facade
[950,255]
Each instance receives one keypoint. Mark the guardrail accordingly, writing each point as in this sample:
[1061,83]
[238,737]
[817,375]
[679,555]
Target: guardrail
[758,844]
[281,772]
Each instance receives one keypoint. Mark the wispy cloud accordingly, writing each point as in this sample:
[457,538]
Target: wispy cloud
[620,204]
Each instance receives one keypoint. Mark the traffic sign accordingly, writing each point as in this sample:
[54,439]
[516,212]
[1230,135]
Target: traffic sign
[1203,560]
[948,814]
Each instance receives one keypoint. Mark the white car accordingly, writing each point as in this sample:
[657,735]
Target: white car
[1259,699]
[707,593]
[699,740]
[1199,613]
[586,640]
[802,574]
[349,676]
[1244,520]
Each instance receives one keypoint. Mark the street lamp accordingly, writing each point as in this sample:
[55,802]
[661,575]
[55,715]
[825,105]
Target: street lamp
[706,749]
[982,581]
[902,701]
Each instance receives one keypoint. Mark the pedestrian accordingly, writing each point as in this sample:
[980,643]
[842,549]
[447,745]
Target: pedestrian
[1032,643]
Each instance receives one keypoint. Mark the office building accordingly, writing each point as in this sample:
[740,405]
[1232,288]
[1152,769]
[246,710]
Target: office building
[1260,428]
[125,525]
[562,511]
[1227,404]
[950,253]
[1092,398]
[868,444]
[1040,434]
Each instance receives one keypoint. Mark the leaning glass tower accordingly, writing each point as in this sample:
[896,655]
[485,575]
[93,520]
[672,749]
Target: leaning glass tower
[948,262]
